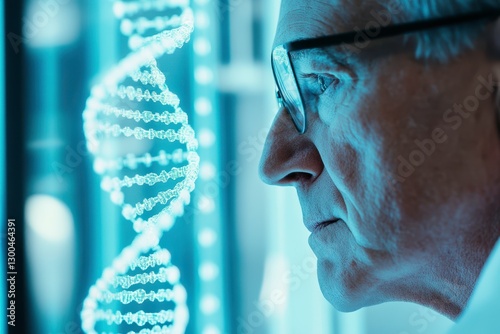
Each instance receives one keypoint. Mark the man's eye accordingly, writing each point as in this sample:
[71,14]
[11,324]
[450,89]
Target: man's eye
[319,83]
[325,81]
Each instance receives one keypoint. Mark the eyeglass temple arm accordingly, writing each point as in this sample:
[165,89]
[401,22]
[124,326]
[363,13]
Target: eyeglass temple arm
[390,31]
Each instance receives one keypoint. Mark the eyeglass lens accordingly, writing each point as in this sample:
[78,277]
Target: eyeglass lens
[288,87]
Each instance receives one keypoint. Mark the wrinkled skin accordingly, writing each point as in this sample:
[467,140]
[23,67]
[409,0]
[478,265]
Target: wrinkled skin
[423,237]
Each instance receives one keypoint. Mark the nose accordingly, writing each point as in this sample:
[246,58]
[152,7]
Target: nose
[288,158]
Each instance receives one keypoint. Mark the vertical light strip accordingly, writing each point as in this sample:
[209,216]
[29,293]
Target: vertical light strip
[352,323]
[48,108]
[105,219]
[209,221]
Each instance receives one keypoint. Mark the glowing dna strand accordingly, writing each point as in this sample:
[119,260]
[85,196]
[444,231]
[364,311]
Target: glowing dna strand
[129,118]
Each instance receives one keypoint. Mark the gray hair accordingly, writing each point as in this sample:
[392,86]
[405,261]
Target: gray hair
[447,42]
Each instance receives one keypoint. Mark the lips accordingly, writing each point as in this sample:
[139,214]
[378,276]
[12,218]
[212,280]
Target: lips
[321,225]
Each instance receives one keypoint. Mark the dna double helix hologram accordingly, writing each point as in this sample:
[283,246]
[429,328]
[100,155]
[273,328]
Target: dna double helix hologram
[145,153]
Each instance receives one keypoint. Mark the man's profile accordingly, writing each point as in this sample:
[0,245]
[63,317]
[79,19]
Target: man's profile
[393,144]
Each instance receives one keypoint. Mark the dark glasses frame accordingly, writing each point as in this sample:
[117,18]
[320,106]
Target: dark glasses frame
[300,121]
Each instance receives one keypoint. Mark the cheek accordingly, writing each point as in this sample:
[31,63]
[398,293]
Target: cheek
[357,170]
[363,134]
[366,134]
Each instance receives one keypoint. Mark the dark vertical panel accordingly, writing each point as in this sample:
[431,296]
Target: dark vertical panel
[15,151]
[258,32]
[223,8]
[227,137]
[3,227]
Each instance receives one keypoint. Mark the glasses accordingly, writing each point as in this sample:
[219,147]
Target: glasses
[288,92]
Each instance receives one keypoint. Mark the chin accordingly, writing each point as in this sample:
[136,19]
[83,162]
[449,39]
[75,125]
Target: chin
[344,292]
[341,302]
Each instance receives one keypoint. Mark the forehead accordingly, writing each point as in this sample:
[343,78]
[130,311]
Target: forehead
[300,19]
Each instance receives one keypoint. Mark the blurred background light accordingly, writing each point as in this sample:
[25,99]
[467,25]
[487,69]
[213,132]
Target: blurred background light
[206,204]
[50,237]
[50,219]
[206,137]
[208,271]
[202,46]
[211,329]
[203,106]
[209,304]
[51,23]
[207,237]
[207,171]
[203,75]
[202,21]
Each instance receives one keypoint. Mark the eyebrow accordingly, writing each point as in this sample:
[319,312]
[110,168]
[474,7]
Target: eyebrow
[328,54]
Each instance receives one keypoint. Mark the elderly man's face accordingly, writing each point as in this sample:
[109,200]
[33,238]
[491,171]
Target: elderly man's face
[412,178]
